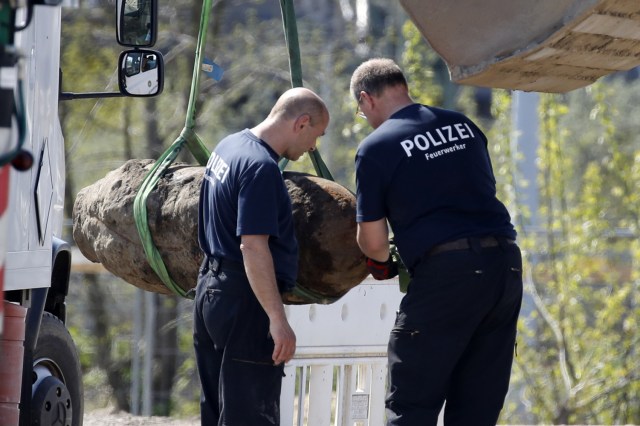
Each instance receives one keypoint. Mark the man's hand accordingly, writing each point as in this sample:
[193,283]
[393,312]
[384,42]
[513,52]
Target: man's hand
[284,340]
[382,270]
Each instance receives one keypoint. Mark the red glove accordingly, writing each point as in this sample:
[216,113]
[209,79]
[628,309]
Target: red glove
[382,270]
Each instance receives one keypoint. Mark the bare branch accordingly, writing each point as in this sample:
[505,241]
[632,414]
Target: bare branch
[555,328]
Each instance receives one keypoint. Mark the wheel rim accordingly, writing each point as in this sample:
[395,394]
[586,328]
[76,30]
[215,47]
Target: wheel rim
[46,367]
[51,400]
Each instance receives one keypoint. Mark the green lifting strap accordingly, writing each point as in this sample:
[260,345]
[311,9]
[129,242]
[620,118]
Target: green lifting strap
[293,47]
[197,148]
[295,64]
[201,153]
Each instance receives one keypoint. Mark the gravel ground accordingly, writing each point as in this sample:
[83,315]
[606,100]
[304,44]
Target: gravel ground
[107,417]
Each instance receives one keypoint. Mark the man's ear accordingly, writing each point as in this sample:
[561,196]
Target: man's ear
[366,97]
[302,121]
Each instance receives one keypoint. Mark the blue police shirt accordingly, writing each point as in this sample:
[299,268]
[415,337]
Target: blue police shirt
[428,171]
[243,193]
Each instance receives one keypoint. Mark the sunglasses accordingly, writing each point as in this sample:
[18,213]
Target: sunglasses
[359,113]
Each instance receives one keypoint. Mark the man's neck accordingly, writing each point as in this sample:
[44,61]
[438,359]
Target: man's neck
[393,100]
[267,132]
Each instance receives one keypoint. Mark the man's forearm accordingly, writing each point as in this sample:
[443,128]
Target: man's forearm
[258,264]
[373,239]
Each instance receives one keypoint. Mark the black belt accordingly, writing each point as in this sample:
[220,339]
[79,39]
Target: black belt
[469,243]
[216,264]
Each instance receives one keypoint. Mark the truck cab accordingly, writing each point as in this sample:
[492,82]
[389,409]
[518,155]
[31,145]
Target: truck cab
[39,366]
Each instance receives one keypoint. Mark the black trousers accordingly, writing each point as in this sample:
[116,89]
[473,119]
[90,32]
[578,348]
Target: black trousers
[454,338]
[240,384]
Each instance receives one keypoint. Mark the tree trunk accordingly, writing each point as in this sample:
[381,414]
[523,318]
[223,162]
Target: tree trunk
[165,354]
[99,304]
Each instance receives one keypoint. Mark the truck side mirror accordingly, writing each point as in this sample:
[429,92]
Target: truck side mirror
[140,72]
[136,22]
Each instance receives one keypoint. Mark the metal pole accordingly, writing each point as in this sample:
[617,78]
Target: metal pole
[147,368]
[136,351]
[525,141]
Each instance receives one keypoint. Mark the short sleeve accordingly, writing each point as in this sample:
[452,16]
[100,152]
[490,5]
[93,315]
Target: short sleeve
[369,190]
[258,201]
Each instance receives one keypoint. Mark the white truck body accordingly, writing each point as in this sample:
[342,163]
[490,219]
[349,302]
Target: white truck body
[36,196]
[39,358]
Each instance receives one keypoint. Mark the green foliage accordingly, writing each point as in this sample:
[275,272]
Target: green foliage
[577,361]
[418,63]
[186,389]
[500,149]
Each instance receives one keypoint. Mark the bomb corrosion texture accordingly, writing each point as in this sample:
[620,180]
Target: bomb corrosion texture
[330,262]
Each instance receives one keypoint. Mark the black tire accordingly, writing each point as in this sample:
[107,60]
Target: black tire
[57,379]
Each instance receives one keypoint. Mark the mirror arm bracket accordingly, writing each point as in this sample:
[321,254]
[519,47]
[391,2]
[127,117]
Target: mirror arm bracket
[67,96]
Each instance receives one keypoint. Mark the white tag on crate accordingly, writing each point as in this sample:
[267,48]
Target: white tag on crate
[359,406]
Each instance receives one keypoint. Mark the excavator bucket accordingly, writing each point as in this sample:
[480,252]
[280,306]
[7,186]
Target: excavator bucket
[532,45]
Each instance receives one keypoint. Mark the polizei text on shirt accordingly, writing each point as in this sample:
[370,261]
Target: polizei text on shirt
[216,167]
[430,141]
